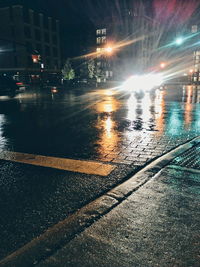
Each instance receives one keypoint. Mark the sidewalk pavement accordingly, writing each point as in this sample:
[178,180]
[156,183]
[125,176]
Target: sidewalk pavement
[152,219]
[157,225]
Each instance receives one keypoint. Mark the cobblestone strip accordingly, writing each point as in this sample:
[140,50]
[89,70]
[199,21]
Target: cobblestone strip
[144,148]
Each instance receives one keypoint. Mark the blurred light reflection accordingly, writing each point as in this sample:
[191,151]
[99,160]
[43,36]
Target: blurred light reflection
[2,138]
[160,110]
[107,126]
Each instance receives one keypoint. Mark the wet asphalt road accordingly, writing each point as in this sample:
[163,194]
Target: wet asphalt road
[122,128]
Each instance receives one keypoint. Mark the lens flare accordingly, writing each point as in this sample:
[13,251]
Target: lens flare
[143,82]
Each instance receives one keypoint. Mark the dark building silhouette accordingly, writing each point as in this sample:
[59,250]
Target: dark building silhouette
[29,43]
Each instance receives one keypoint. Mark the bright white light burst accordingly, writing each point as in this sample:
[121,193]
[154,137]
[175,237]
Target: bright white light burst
[143,82]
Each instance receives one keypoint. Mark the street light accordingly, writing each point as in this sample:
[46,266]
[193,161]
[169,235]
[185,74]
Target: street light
[179,41]
[109,49]
[162,65]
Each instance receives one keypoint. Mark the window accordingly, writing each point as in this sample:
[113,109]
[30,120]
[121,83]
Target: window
[11,13]
[54,39]
[46,22]
[98,32]
[98,40]
[27,32]
[103,31]
[39,48]
[53,24]
[55,52]
[56,63]
[36,19]
[99,49]
[26,15]
[101,40]
[47,50]
[48,61]
[37,35]
[46,37]
[194,28]
[29,47]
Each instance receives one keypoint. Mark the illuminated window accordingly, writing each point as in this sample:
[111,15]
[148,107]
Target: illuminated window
[98,40]
[98,31]
[99,49]
[194,28]
[103,31]
[103,39]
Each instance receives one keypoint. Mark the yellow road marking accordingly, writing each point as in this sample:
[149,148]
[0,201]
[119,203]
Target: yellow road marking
[88,167]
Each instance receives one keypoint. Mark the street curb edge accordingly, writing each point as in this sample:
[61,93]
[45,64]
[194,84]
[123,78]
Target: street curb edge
[57,236]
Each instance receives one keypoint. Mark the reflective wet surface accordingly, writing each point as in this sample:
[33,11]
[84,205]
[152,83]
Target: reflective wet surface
[88,124]
[124,128]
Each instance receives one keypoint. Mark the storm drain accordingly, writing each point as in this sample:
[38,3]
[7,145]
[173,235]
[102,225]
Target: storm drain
[189,159]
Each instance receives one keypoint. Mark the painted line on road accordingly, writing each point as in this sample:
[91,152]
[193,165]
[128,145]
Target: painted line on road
[81,166]
[52,239]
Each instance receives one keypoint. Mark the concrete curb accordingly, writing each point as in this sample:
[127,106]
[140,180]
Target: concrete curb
[57,236]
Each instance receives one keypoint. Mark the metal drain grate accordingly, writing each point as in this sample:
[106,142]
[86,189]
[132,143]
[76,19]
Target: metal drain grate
[189,159]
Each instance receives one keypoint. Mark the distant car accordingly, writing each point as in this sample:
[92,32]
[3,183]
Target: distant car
[21,86]
[8,87]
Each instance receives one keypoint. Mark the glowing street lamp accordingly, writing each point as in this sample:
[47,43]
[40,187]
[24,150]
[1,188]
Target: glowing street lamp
[191,71]
[179,41]
[162,65]
[109,49]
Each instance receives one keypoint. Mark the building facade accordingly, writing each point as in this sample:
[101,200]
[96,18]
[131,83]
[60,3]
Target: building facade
[29,44]
[195,75]
[126,45]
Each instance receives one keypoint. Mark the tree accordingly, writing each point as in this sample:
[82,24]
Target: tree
[91,69]
[94,69]
[67,71]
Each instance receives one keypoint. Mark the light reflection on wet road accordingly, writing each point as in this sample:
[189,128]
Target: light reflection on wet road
[110,125]
[80,124]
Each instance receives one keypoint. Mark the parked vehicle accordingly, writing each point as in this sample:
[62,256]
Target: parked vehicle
[8,87]
[21,86]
